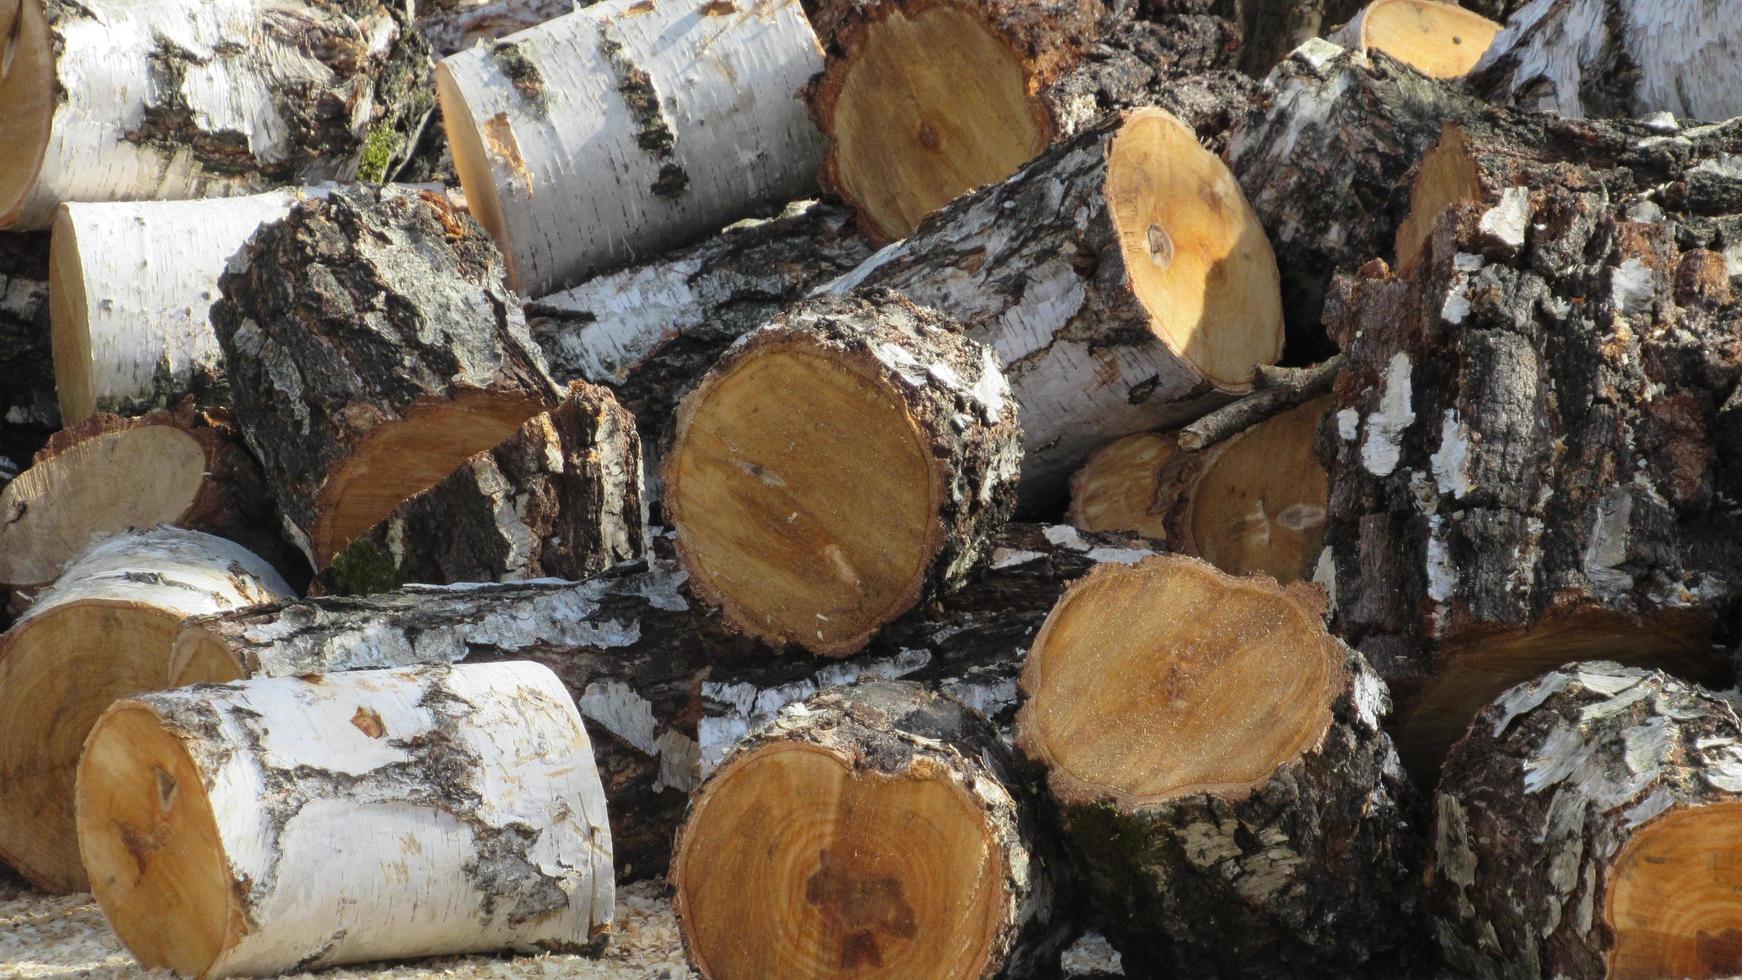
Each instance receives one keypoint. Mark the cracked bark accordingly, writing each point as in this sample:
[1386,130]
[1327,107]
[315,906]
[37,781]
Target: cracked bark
[426,810]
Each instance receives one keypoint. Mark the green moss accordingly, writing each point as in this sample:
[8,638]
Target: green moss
[378,151]
[363,568]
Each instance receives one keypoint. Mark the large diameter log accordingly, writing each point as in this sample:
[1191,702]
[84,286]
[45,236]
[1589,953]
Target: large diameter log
[1221,772]
[627,129]
[882,827]
[1253,503]
[28,407]
[840,465]
[189,99]
[1586,826]
[1121,278]
[186,469]
[1680,56]
[561,498]
[372,347]
[103,631]
[1440,40]
[1529,465]
[290,824]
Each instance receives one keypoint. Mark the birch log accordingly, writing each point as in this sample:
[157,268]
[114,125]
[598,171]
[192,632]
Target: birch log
[454,25]
[561,498]
[189,99]
[1218,761]
[626,129]
[372,348]
[1624,58]
[1586,826]
[28,411]
[840,465]
[1121,278]
[1440,40]
[1535,422]
[103,631]
[186,469]
[880,827]
[292,824]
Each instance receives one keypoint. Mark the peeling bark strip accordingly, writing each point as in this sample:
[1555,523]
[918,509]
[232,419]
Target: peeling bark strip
[1245,814]
[1067,271]
[191,99]
[1618,58]
[455,25]
[1534,423]
[629,128]
[102,631]
[1587,826]
[291,824]
[561,498]
[840,465]
[29,411]
[186,468]
[816,814]
[372,348]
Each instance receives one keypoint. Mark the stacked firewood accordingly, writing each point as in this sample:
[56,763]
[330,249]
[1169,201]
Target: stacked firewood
[1255,479]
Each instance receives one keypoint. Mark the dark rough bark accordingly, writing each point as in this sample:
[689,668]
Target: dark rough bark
[904,730]
[1531,448]
[354,315]
[955,395]
[561,498]
[28,408]
[1539,800]
[650,331]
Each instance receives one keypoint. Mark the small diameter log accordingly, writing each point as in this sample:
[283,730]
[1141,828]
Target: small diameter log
[28,408]
[1121,278]
[1218,761]
[561,498]
[1533,454]
[455,25]
[1588,826]
[840,465]
[880,827]
[372,348]
[185,469]
[1253,503]
[296,823]
[627,129]
[924,100]
[1440,40]
[103,631]
[190,99]
[1625,58]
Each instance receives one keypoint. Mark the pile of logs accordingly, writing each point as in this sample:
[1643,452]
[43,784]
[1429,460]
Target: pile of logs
[1260,480]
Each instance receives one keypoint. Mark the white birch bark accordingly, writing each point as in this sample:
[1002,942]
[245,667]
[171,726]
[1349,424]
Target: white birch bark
[385,814]
[620,130]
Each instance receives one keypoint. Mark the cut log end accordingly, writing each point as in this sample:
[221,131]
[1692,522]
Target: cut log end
[910,131]
[1447,176]
[1197,256]
[151,844]
[1440,40]
[803,483]
[27,101]
[1673,904]
[1221,681]
[1259,506]
[473,147]
[1115,490]
[69,320]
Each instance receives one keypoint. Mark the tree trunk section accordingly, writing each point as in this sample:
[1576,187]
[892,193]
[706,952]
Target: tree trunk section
[1600,58]
[1067,270]
[561,498]
[291,824]
[185,100]
[1531,456]
[1246,816]
[452,26]
[840,465]
[1586,826]
[103,631]
[186,468]
[28,408]
[372,348]
[899,818]
[620,130]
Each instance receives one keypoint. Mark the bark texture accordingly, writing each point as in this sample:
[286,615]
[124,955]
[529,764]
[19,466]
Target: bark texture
[455,25]
[188,99]
[902,730]
[28,410]
[353,315]
[561,498]
[1624,58]
[485,767]
[1540,799]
